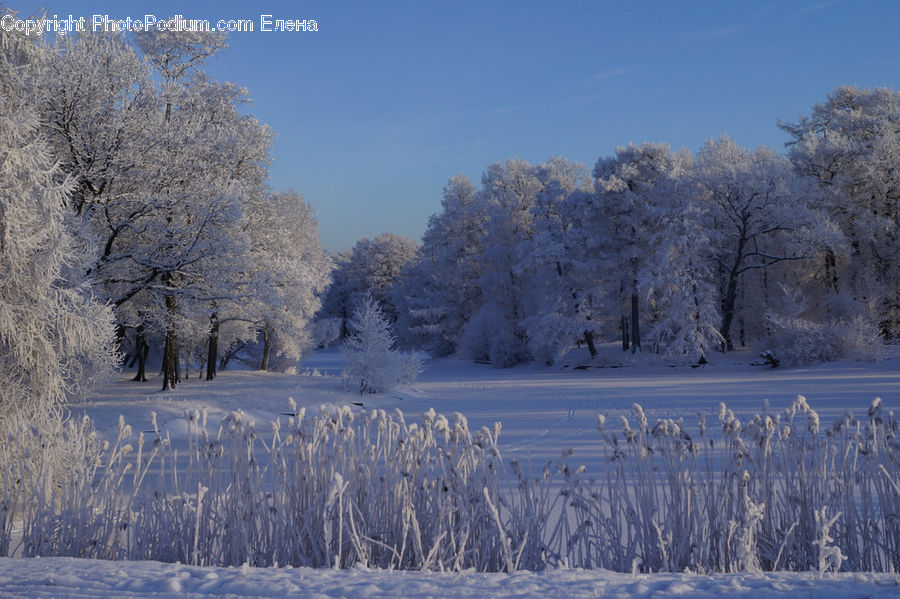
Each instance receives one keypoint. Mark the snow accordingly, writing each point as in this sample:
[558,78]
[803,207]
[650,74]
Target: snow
[543,410]
[63,578]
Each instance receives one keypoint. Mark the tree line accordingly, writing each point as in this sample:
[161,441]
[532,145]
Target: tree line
[667,251]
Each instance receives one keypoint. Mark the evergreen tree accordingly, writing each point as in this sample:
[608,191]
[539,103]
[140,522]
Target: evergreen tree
[373,363]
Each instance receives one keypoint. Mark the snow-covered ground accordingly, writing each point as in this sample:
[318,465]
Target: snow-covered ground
[543,410]
[65,578]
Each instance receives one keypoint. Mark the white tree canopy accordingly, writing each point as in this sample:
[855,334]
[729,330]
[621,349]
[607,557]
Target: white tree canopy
[54,336]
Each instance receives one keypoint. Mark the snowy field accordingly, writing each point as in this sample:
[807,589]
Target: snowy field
[65,578]
[544,411]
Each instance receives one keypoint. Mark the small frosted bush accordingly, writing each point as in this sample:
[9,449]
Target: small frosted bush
[795,340]
[372,360]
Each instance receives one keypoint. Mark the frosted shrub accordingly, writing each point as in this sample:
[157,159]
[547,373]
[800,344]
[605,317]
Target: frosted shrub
[830,557]
[795,340]
[373,363]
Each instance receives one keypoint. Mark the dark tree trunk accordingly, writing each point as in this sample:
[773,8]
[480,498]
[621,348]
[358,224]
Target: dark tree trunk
[213,354]
[267,348]
[589,340]
[635,325]
[170,353]
[141,349]
[728,304]
[624,325]
[743,333]
[730,299]
[831,273]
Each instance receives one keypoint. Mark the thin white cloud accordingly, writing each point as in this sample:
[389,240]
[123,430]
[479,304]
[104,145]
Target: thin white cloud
[610,74]
[816,7]
[504,110]
[710,33]
[585,100]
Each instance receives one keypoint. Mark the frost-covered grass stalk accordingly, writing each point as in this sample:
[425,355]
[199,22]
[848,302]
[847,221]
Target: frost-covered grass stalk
[780,492]
[339,488]
[336,489]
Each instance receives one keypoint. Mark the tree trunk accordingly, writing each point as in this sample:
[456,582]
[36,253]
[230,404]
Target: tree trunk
[624,325]
[730,299]
[831,273]
[589,340]
[728,311]
[345,332]
[213,353]
[141,349]
[170,354]
[267,348]
[635,325]
[743,333]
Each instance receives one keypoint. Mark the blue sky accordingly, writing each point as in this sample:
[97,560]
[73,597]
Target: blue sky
[388,100]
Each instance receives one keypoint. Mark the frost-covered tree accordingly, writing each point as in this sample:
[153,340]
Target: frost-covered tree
[96,101]
[851,145]
[290,272]
[495,332]
[439,291]
[379,263]
[210,149]
[678,278]
[627,185]
[373,362]
[558,308]
[163,176]
[762,216]
[209,162]
[54,336]
[372,266]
